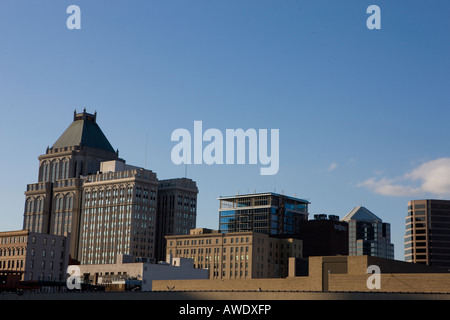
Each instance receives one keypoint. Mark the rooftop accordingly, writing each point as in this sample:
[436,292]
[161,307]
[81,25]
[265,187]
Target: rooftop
[362,214]
[263,194]
[84,131]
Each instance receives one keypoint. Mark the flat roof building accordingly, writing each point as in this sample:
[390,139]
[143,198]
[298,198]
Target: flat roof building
[324,236]
[236,255]
[34,256]
[118,214]
[114,276]
[427,238]
[268,213]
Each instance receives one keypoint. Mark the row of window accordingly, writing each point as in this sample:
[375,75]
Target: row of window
[55,170]
[13,239]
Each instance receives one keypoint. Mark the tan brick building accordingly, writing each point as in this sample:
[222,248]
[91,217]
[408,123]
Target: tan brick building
[236,255]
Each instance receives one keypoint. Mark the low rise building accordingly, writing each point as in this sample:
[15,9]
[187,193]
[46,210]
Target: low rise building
[125,274]
[236,255]
[34,256]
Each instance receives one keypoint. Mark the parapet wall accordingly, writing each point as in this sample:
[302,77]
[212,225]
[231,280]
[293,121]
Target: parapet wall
[287,284]
[392,283]
[331,274]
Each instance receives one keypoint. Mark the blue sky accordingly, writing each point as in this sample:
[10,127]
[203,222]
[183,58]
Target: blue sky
[363,114]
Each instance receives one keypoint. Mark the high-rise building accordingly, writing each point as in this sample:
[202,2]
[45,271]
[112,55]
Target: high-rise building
[118,214]
[427,238]
[52,205]
[177,210]
[108,207]
[368,234]
[269,213]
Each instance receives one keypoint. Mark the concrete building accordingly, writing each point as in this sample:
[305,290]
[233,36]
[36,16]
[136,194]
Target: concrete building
[268,213]
[34,256]
[368,234]
[115,276]
[236,255]
[427,238]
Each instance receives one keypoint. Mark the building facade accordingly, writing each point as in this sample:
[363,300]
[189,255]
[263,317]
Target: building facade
[108,207]
[52,205]
[177,210]
[368,234]
[324,236]
[427,238]
[236,255]
[115,276]
[34,256]
[268,213]
[119,214]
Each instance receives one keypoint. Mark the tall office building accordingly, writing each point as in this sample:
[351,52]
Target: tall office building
[119,214]
[177,210]
[52,205]
[108,207]
[268,213]
[368,234]
[427,238]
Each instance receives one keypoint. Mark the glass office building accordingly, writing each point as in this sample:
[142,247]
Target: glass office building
[268,213]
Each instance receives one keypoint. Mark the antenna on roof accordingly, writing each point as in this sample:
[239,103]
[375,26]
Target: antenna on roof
[146,144]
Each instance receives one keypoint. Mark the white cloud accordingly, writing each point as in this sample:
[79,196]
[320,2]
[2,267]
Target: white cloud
[332,166]
[432,177]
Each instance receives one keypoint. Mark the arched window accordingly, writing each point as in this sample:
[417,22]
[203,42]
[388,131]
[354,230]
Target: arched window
[47,172]
[69,203]
[54,171]
[65,169]
[30,206]
[56,175]
[44,172]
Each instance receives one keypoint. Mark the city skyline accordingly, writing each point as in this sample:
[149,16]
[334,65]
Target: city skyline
[361,113]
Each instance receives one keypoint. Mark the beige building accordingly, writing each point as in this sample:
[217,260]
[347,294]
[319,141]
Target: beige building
[236,255]
[33,256]
[119,214]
